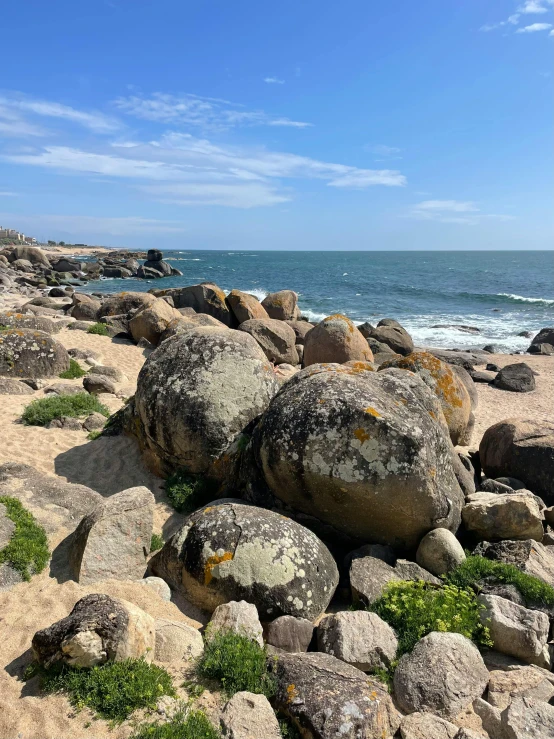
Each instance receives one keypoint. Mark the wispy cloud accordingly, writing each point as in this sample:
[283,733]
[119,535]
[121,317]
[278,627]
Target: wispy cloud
[118,226]
[528,7]
[452,211]
[12,124]
[274,81]
[534,27]
[8,194]
[95,121]
[535,6]
[202,112]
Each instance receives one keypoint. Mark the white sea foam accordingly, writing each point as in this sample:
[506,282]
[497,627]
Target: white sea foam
[523,299]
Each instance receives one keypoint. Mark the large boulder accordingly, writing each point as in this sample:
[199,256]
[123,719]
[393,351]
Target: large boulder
[249,716]
[523,449]
[14,387]
[33,354]
[443,674]
[112,541]
[245,307]
[275,337]
[493,516]
[150,322]
[360,638]
[355,448]
[393,336]
[65,264]
[126,302]
[197,392]
[445,383]
[327,698]
[282,305]
[290,634]
[36,323]
[99,629]
[32,254]
[238,552]
[518,378]
[505,685]
[528,718]
[301,330]
[85,307]
[204,298]
[335,339]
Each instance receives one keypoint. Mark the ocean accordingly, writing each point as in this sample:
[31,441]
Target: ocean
[430,293]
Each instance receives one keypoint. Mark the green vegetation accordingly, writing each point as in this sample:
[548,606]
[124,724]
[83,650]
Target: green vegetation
[92,435]
[288,729]
[156,542]
[188,492]
[74,372]
[27,550]
[40,412]
[192,725]
[414,609]
[476,569]
[112,690]
[237,662]
[98,328]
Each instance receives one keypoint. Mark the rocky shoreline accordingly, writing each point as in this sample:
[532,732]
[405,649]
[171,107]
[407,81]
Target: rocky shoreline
[339,476]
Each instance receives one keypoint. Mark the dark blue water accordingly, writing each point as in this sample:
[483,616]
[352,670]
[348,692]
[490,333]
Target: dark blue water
[501,293]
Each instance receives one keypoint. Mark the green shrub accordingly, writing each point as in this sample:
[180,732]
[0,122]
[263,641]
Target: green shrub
[188,492]
[475,569]
[40,412]
[237,662]
[98,328]
[414,609]
[288,729]
[27,550]
[156,542]
[74,372]
[112,690]
[92,435]
[193,725]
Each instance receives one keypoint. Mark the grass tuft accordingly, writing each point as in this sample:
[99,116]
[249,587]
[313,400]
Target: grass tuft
[42,411]
[192,725]
[98,328]
[74,372]
[237,662]
[27,550]
[188,492]
[156,542]
[475,569]
[112,690]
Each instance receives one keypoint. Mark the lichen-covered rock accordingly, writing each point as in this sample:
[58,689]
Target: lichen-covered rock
[239,617]
[443,674]
[282,305]
[440,552]
[523,449]
[529,556]
[150,322]
[327,698]
[12,319]
[113,540]
[27,353]
[237,552]
[361,451]
[335,339]
[176,641]
[493,516]
[360,638]
[249,716]
[99,629]
[290,634]
[126,302]
[204,298]
[275,337]
[245,307]
[197,392]
[445,383]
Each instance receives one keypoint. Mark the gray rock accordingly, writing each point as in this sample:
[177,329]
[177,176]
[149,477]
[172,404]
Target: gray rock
[150,322]
[14,387]
[518,378]
[493,516]
[529,556]
[94,422]
[27,353]
[483,376]
[545,336]
[326,698]
[525,682]
[114,540]
[204,298]
[360,638]
[249,716]
[290,634]
[301,330]
[98,629]
[231,551]
[124,303]
[493,486]
[526,718]
[491,718]
[440,552]
[238,617]
[282,305]
[411,571]
[443,674]
[34,323]
[176,641]
[426,726]
[7,527]
[515,630]
[511,482]
[113,373]
[97,384]
[368,579]
[85,307]
[335,339]
[275,338]
[393,336]
[158,585]
[63,388]
[337,444]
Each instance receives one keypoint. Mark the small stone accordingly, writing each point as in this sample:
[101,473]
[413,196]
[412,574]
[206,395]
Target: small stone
[239,617]
[158,585]
[440,552]
[94,422]
[176,641]
[249,716]
[97,384]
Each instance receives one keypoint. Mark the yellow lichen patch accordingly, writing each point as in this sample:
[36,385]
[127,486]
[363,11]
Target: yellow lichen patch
[357,367]
[361,435]
[372,412]
[291,693]
[432,471]
[212,562]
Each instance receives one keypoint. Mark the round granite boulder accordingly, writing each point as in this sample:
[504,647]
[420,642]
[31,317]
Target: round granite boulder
[231,552]
[33,354]
[362,451]
[335,339]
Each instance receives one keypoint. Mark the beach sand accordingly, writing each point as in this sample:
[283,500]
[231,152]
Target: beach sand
[109,465]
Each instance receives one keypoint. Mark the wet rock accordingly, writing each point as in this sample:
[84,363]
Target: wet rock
[440,552]
[176,641]
[493,516]
[113,540]
[237,552]
[238,617]
[245,307]
[443,674]
[518,378]
[360,638]
[98,629]
[249,716]
[27,353]
[335,339]
[290,634]
[282,305]
[275,338]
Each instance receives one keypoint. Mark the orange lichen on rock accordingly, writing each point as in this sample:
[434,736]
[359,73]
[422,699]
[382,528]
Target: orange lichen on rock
[212,562]
[361,435]
[291,693]
[372,412]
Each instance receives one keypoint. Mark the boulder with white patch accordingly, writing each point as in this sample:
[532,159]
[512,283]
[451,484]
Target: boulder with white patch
[230,551]
[363,451]
[28,353]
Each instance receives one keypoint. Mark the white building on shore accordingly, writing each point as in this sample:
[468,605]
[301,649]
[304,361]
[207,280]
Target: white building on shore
[11,233]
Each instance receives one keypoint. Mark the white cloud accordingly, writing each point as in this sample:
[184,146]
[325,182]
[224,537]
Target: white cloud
[360,178]
[528,7]
[97,122]
[202,112]
[231,195]
[535,6]
[13,125]
[446,211]
[8,194]
[534,27]
[274,81]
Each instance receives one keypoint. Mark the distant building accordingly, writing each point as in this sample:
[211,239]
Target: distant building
[11,233]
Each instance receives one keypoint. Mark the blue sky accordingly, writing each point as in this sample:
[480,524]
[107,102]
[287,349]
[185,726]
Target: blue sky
[291,125]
